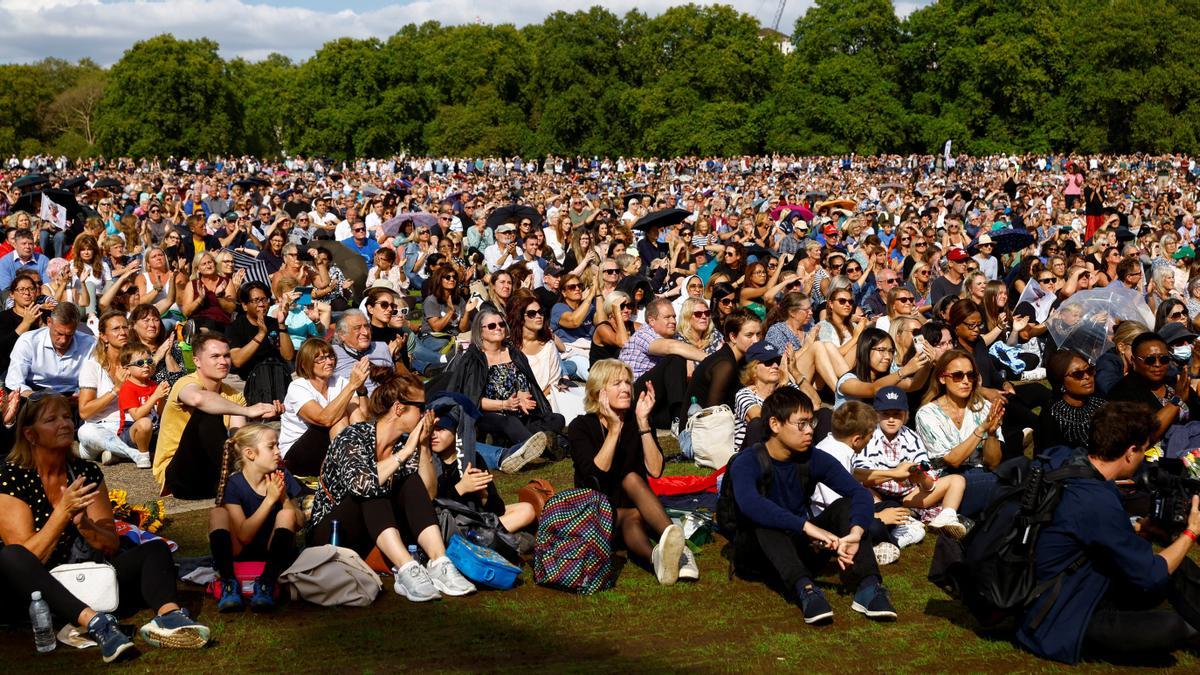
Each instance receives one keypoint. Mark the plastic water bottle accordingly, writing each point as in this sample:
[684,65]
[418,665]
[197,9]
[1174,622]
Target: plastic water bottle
[417,554]
[333,535]
[43,625]
[694,407]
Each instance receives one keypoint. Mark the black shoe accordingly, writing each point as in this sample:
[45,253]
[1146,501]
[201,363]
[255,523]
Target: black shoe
[816,608]
[874,603]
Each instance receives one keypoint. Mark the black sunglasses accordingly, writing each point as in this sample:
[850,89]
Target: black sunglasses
[1154,359]
[531,312]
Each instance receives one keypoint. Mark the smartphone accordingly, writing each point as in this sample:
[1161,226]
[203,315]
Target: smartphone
[41,299]
[305,298]
[919,341]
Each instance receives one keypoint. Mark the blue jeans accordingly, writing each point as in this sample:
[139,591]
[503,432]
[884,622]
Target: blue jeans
[981,483]
[428,351]
[52,242]
[494,454]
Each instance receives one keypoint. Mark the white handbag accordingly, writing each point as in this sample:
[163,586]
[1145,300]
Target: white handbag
[711,432]
[95,584]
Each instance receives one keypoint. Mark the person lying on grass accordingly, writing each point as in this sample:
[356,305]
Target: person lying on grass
[773,483]
[255,517]
[891,466]
[613,448]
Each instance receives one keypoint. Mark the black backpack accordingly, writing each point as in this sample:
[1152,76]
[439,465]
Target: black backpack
[992,570]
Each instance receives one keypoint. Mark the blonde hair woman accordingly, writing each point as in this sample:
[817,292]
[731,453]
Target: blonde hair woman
[696,326]
[614,449]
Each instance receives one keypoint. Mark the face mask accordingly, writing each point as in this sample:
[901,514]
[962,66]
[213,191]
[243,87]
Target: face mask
[1182,352]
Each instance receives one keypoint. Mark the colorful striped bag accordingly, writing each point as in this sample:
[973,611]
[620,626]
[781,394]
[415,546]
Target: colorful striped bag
[573,549]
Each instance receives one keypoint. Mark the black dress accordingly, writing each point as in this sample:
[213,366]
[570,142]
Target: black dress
[1061,423]
[715,380]
[586,435]
[598,352]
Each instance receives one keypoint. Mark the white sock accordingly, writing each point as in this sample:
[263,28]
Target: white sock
[952,512]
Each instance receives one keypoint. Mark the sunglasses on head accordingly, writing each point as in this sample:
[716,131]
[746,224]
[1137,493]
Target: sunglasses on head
[493,325]
[1155,359]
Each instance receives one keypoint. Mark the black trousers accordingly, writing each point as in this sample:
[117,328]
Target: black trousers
[145,577]
[1131,623]
[670,382]
[1018,415]
[307,453]
[502,426]
[196,466]
[361,520]
[793,557]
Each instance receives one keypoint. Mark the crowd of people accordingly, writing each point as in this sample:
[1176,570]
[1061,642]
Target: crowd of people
[881,331]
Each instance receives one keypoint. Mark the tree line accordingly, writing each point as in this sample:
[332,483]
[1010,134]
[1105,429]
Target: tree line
[1090,76]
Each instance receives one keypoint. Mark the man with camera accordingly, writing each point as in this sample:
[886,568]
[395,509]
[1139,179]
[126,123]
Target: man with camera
[1105,585]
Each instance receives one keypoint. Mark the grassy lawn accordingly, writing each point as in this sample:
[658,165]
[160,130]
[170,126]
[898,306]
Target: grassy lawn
[717,624]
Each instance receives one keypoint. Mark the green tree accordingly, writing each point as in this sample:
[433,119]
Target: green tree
[267,90]
[168,96]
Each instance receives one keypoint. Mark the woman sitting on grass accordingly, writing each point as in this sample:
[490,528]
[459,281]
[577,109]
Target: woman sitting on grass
[376,484]
[52,505]
[614,448]
[255,517]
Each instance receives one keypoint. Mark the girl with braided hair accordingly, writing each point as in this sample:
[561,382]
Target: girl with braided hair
[255,517]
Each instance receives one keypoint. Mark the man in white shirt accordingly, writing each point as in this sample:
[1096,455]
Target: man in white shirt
[324,220]
[504,252]
[49,358]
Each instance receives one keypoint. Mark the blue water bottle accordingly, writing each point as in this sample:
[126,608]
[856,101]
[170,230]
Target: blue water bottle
[333,536]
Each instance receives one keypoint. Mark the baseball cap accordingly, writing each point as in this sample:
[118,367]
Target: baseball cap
[762,351]
[891,398]
[829,229]
[1175,332]
[957,255]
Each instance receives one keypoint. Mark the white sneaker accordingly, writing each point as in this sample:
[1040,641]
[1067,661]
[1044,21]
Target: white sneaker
[948,522]
[688,569]
[413,582]
[909,533]
[108,459]
[447,579]
[529,450]
[886,553]
[143,461]
[667,555]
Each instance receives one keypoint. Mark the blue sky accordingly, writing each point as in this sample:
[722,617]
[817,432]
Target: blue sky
[103,29]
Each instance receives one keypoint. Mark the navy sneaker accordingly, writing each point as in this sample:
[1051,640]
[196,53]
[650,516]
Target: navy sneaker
[113,643]
[874,603]
[263,599]
[816,608]
[175,629]
[231,597]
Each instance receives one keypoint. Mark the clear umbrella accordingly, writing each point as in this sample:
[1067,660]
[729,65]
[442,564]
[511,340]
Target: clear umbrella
[1083,323]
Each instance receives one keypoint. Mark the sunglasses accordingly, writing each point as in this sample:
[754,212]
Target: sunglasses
[960,375]
[1175,316]
[531,312]
[853,269]
[385,305]
[701,314]
[772,362]
[1154,359]
[1082,373]
[142,363]
[419,405]
[725,301]
[572,287]
[623,306]
[842,301]
[495,325]
[921,245]
[611,271]
[359,229]
[905,299]
[1048,280]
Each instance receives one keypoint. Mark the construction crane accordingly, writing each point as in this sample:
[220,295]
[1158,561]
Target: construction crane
[778,15]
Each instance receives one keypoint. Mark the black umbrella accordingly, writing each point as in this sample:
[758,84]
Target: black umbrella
[1010,240]
[253,181]
[815,194]
[353,265]
[30,180]
[31,202]
[663,218]
[108,184]
[73,184]
[635,195]
[514,213]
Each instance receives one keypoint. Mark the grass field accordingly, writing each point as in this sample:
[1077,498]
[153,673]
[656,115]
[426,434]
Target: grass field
[716,625]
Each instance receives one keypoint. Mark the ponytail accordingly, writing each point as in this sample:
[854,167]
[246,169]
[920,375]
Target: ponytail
[228,457]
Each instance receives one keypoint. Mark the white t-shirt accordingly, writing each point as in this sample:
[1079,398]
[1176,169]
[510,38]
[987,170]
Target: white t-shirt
[300,392]
[824,495]
[92,375]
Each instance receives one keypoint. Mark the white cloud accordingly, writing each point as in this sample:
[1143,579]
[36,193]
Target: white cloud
[74,29]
